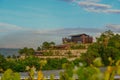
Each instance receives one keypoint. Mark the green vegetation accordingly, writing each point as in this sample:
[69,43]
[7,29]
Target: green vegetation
[82,72]
[89,73]
[20,64]
[107,45]
[26,51]
[53,64]
[49,53]
[77,46]
[68,71]
[47,45]
[39,48]
[10,75]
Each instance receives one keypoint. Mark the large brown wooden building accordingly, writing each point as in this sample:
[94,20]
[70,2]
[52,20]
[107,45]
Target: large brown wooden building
[80,38]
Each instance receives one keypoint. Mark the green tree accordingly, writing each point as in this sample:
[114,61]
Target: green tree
[39,48]
[23,51]
[47,45]
[107,45]
[2,62]
[32,61]
[30,51]
[26,51]
[52,43]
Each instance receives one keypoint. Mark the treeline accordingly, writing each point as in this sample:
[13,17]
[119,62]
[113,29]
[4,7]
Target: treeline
[19,65]
[49,46]
[30,51]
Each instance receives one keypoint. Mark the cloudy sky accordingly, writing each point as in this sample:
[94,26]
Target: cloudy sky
[31,22]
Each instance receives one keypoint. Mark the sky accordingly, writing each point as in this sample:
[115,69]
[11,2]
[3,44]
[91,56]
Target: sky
[28,23]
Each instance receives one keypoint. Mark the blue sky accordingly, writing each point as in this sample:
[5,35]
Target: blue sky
[31,22]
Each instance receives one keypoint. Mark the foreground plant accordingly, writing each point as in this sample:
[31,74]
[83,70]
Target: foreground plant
[10,75]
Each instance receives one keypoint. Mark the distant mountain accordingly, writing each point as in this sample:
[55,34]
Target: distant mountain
[9,51]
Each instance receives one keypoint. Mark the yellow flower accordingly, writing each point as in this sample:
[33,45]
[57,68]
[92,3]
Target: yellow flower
[109,69]
[40,75]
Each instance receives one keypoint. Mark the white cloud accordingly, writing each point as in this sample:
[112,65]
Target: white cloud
[114,26]
[96,6]
[90,0]
[86,4]
[68,0]
[90,9]
[5,27]
[113,11]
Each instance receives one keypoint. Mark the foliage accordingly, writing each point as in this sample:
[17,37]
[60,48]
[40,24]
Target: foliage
[40,75]
[54,64]
[68,67]
[98,62]
[52,77]
[43,63]
[47,45]
[32,61]
[39,48]
[20,64]
[10,75]
[49,53]
[64,76]
[112,70]
[2,62]
[77,46]
[67,74]
[31,72]
[83,72]
[89,73]
[76,61]
[107,45]
[26,51]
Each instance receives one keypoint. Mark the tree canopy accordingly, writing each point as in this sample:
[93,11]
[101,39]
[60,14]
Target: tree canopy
[107,45]
[26,51]
[47,45]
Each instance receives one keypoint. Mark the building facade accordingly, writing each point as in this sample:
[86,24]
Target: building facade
[80,38]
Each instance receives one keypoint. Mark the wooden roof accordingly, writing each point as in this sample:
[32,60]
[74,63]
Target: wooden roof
[78,35]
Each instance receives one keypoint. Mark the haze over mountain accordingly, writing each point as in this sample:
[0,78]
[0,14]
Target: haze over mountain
[9,51]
